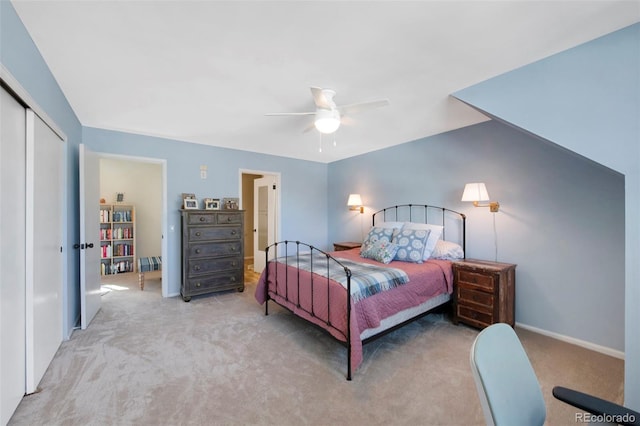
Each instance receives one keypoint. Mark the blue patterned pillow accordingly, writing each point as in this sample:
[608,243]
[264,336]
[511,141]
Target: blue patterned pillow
[380,250]
[379,234]
[411,244]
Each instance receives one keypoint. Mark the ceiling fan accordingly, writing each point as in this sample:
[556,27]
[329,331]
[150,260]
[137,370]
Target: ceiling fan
[328,115]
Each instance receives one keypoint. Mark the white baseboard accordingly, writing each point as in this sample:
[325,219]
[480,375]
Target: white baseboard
[588,345]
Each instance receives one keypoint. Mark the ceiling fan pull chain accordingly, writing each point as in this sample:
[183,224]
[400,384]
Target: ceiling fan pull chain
[334,140]
[320,143]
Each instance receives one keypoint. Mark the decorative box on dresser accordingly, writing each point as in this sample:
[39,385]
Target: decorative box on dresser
[212,251]
[484,292]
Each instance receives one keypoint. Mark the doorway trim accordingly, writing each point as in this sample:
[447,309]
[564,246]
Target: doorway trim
[162,162]
[278,177]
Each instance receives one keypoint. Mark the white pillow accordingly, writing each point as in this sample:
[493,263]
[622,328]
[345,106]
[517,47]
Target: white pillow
[447,250]
[434,235]
[390,225]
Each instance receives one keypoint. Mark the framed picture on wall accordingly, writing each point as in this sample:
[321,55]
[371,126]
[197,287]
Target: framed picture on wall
[190,204]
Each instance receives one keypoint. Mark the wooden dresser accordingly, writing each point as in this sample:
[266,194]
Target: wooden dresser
[212,251]
[484,292]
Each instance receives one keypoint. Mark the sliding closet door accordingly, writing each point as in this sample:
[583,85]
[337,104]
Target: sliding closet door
[44,247]
[12,255]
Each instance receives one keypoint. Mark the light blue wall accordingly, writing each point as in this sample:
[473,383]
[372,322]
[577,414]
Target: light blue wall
[587,100]
[22,59]
[303,183]
[561,218]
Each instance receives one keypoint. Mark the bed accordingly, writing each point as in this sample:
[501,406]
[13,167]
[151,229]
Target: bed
[391,280]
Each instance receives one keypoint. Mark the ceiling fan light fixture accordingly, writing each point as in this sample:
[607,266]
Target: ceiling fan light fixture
[327,121]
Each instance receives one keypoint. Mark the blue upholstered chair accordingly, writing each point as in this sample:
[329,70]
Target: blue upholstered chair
[507,385]
[509,390]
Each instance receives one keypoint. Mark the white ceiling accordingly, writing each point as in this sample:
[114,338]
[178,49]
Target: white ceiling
[208,71]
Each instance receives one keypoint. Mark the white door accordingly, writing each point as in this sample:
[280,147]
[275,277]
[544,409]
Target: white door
[89,233]
[12,255]
[44,290]
[264,219]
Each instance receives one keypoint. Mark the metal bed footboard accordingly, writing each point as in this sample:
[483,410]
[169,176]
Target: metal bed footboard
[291,257]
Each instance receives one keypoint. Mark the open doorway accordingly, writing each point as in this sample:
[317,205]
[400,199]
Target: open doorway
[139,185]
[260,198]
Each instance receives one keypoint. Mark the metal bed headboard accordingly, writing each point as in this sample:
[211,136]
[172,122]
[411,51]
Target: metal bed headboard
[424,212]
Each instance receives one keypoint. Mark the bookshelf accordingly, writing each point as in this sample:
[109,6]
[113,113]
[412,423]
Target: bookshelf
[117,238]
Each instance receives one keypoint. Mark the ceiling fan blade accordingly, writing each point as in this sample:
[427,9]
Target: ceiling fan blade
[320,98]
[362,106]
[291,113]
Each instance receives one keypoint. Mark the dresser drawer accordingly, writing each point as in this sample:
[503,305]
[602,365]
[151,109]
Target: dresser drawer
[209,265]
[475,279]
[468,295]
[202,218]
[205,233]
[226,218]
[476,317]
[227,248]
[219,281]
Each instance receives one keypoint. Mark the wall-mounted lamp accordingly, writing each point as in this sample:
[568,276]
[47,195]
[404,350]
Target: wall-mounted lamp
[355,202]
[477,192]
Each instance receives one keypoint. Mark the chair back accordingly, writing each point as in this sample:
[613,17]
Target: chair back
[507,385]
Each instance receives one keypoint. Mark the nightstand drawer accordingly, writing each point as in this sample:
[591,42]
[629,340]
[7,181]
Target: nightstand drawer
[474,279]
[467,295]
[473,316]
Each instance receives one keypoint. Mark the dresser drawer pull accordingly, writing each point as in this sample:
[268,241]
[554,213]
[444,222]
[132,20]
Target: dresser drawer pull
[202,219]
[196,268]
[229,219]
[198,234]
[233,232]
[234,263]
[232,249]
[233,279]
[198,284]
[197,251]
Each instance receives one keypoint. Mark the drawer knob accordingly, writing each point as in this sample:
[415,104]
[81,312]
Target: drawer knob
[229,219]
[197,251]
[202,219]
[198,234]
[197,284]
[234,263]
[232,249]
[233,232]
[233,279]
[196,268]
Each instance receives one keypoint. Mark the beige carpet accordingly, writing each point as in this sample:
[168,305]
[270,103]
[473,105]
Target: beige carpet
[218,360]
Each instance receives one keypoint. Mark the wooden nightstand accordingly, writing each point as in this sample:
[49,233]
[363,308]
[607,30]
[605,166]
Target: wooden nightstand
[484,292]
[345,246]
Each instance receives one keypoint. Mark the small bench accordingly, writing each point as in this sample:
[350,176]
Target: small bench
[147,264]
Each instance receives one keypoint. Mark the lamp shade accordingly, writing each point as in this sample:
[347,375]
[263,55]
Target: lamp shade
[476,191]
[327,120]
[354,200]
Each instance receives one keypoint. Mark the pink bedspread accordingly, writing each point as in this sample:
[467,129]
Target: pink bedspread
[427,280]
